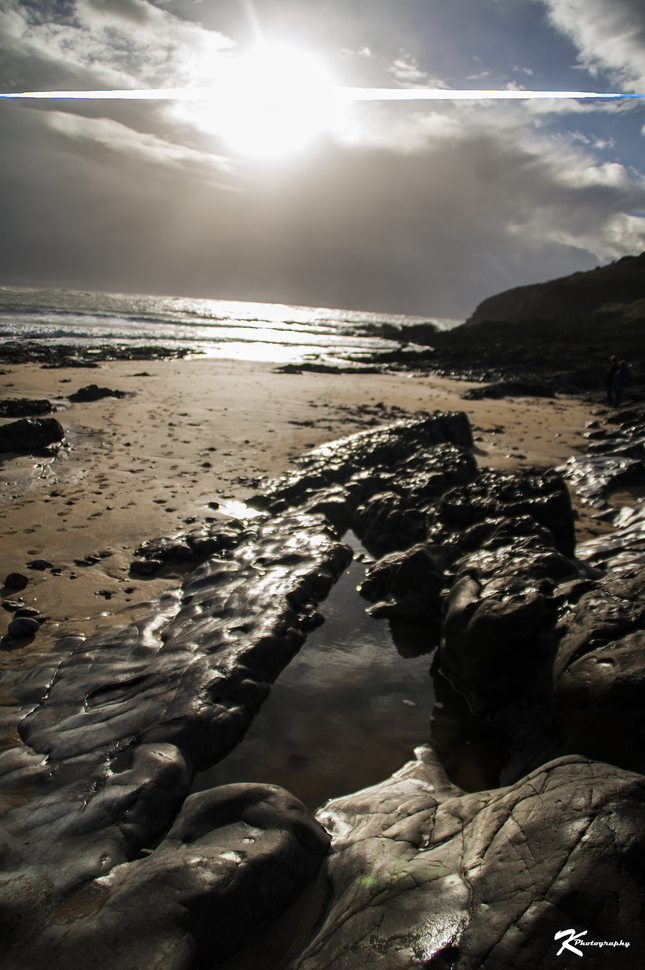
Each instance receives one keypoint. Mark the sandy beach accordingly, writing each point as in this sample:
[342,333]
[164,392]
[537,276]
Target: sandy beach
[192,433]
[189,441]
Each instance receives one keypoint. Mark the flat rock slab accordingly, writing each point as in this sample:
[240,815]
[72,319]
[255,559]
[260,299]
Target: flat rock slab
[424,875]
[107,733]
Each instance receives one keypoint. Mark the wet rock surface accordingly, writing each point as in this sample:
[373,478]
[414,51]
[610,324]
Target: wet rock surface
[424,875]
[408,585]
[614,457]
[72,355]
[234,859]
[472,509]
[192,546]
[401,458]
[30,434]
[108,733]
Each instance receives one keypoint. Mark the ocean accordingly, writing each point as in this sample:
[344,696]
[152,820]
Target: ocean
[218,328]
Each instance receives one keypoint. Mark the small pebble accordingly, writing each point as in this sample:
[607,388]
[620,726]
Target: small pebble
[11,605]
[145,567]
[15,581]
[39,564]
[26,611]
[24,626]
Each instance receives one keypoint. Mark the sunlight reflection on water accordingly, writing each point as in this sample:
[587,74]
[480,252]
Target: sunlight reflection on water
[220,328]
[347,711]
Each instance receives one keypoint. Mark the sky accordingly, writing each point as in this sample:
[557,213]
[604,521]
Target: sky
[275,189]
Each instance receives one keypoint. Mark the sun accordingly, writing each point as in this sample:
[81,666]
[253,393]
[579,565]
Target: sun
[272,100]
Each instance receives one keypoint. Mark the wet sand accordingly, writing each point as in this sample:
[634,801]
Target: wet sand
[193,432]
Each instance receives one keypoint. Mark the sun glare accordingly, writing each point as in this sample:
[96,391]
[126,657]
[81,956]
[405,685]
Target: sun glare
[272,101]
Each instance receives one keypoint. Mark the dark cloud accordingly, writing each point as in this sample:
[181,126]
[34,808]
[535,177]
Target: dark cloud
[136,11]
[402,209]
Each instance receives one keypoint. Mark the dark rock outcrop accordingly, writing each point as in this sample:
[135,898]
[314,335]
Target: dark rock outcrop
[30,434]
[395,457]
[75,355]
[408,585]
[114,865]
[423,875]
[546,647]
[614,458]
[233,861]
[92,392]
[494,494]
[495,647]
[109,731]
[398,517]
[24,408]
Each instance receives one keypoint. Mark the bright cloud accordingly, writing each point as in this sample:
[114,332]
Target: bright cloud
[610,35]
[406,71]
[402,207]
[104,43]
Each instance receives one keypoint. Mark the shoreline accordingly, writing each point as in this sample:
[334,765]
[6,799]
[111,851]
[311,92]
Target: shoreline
[193,432]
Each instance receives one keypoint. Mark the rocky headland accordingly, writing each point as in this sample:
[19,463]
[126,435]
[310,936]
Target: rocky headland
[569,329]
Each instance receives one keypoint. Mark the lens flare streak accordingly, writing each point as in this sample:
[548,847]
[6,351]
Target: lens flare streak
[351,94]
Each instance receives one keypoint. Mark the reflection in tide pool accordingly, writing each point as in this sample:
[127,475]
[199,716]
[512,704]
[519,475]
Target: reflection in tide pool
[347,711]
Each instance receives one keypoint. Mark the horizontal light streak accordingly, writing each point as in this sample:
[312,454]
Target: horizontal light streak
[352,94]
[451,94]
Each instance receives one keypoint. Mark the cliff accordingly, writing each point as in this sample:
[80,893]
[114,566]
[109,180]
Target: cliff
[571,299]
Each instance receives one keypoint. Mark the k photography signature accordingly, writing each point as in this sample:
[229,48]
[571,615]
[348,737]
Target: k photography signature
[570,937]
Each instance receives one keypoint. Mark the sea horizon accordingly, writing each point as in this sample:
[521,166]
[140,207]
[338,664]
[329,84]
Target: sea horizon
[233,329]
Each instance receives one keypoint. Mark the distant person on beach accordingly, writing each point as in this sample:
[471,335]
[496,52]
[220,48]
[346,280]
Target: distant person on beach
[609,379]
[620,379]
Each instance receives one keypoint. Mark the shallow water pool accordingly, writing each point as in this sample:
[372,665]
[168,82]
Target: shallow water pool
[348,710]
